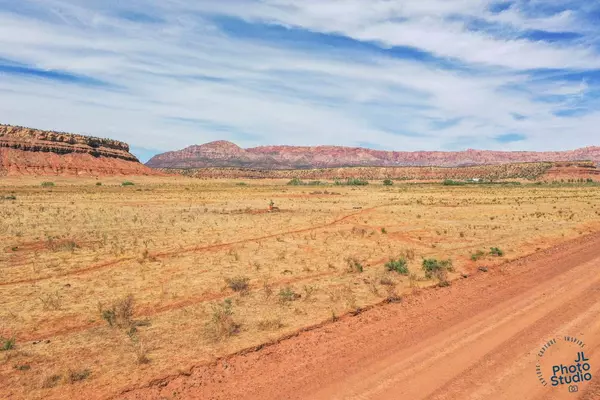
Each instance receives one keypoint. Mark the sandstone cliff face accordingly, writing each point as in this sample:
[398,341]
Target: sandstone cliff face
[227,154]
[25,151]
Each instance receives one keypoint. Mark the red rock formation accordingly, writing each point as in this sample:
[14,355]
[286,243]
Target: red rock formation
[227,154]
[25,151]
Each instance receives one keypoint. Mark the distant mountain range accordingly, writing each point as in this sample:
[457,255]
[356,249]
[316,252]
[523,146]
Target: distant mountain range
[226,154]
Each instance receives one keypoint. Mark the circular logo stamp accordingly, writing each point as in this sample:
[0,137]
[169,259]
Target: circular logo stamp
[562,363]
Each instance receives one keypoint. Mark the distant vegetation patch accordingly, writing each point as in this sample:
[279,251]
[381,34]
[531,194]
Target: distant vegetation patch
[7,343]
[299,182]
[438,269]
[477,255]
[127,183]
[450,182]
[352,182]
[495,251]
[400,266]
[47,184]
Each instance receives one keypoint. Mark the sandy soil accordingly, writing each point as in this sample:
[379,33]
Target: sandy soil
[478,339]
[71,253]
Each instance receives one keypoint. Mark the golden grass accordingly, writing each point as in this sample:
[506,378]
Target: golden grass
[182,247]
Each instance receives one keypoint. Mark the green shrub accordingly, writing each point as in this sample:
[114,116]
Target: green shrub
[354,265]
[47,184]
[495,251]
[7,343]
[388,182]
[241,184]
[477,255]
[431,266]
[98,183]
[295,182]
[127,183]
[400,266]
[450,182]
[221,324]
[356,182]
[9,197]
[287,294]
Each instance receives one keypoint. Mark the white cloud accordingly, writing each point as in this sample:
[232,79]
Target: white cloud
[165,75]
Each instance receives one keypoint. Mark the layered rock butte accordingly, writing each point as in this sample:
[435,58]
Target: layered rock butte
[227,154]
[26,151]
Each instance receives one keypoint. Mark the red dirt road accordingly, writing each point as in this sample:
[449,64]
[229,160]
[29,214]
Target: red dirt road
[478,339]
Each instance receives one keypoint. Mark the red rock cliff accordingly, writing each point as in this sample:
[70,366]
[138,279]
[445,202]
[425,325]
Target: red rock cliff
[26,151]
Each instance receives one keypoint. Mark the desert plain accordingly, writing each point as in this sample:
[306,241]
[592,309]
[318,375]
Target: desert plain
[106,287]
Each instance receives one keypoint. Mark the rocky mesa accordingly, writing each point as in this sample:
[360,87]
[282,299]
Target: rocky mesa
[26,151]
[227,154]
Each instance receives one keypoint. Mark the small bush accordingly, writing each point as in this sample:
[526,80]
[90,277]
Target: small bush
[477,255]
[308,292]
[7,343]
[98,183]
[295,182]
[354,265]
[9,197]
[495,251]
[51,301]
[388,182]
[270,324]
[51,381]
[77,376]
[386,281]
[47,184]
[450,182]
[431,266]
[120,314]
[241,184]
[127,183]
[384,231]
[400,266]
[238,284]
[221,325]
[287,294]
[356,182]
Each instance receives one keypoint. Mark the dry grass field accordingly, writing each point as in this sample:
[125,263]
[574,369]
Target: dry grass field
[104,288]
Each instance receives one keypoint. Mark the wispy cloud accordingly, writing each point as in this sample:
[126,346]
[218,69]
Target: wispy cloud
[405,75]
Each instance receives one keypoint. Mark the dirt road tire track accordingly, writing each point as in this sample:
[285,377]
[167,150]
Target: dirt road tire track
[474,340]
[193,249]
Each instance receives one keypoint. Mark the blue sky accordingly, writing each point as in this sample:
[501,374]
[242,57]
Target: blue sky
[398,75]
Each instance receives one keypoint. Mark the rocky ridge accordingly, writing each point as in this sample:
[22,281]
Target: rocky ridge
[26,151]
[227,154]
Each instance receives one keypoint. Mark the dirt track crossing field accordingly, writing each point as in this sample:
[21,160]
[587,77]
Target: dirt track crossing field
[476,340]
[108,289]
